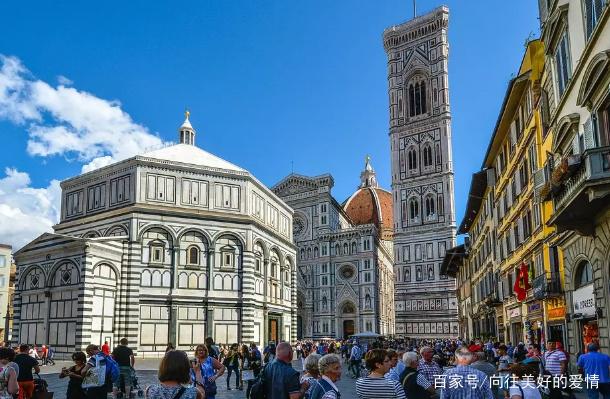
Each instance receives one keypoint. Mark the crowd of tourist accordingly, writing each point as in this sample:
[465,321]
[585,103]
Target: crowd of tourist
[383,369]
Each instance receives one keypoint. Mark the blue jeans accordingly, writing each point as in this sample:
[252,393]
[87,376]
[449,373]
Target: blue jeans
[230,370]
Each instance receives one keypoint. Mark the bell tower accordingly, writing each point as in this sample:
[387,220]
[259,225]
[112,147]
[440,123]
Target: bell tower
[422,174]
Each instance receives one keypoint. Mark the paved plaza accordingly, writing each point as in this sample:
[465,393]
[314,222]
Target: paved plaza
[147,374]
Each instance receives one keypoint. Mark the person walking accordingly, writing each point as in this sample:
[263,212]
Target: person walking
[124,357]
[255,361]
[232,362]
[25,378]
[483,365]
[174,379]
[43,355]
[50,355]
[413,382]
[427,366]
[280,380]
[355,360]
[74,373]
[330,371]
[213,349]
[473,384]
[311,372]
[555,364]
[375,385]
[106,348]
[95,381]
[8,376]
[205,371]
[595,363]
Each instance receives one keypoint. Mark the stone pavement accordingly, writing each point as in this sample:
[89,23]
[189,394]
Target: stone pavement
[147,375]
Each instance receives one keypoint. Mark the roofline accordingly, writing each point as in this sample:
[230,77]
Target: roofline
[505,102]
[475,198]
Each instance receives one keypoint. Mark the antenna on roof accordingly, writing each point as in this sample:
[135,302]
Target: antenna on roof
[291,167]
[414,8]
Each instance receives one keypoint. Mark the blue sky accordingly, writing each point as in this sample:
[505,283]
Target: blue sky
[268,83]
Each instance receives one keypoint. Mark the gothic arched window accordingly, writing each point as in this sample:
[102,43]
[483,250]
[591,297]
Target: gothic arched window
[430,205]
[412,159]
[413,208]
[411,100]
[417,97]
[427,155]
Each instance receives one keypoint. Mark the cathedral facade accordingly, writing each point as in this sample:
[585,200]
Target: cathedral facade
[171,246]
[345,279]
[422,174]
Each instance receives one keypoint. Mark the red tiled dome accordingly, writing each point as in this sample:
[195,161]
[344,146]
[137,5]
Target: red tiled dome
[371,205]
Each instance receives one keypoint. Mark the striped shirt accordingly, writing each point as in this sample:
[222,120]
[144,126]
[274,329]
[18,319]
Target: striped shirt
[552,361]
[429,370]
[465,382]
[379,388]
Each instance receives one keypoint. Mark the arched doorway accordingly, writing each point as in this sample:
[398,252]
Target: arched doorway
[348,312]
[348,328]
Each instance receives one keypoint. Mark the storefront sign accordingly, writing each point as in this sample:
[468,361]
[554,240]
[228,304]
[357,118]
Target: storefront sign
[583,301]
[534,307]
[512,313]
[555,309]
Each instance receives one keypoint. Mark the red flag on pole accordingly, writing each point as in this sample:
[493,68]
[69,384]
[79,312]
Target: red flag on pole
[522,283]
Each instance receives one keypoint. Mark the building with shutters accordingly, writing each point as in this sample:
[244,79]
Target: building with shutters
[506,221]
[174,245]
[576,36]
[345,279]
[422,174]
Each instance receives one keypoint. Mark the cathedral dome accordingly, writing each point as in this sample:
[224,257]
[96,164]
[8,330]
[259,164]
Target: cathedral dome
[371,204]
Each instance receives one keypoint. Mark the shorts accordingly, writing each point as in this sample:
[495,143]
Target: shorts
[26,389]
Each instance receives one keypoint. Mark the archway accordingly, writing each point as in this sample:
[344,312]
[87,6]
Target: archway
[348,328]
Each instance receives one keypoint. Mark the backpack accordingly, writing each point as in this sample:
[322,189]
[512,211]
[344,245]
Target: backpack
[258,388]
[320,389]
[112,369]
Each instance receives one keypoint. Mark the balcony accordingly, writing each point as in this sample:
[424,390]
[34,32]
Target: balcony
[581,191]
[547,285]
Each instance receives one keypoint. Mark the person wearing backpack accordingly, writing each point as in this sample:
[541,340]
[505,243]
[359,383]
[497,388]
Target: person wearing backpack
[100,372]
[414,383]
[330,371]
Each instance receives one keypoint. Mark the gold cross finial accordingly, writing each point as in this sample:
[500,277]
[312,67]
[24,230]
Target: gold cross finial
[187,113]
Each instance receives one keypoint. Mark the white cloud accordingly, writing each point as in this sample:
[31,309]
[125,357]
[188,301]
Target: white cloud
[64,81]
[60,121]
[26,212]
[65,121]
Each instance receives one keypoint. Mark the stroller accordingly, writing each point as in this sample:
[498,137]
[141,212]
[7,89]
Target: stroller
[41,389]
[136,389]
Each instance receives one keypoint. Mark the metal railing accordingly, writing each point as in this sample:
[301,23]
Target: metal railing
[595,164]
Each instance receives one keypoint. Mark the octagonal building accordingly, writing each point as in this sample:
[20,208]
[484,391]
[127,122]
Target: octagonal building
[171,246]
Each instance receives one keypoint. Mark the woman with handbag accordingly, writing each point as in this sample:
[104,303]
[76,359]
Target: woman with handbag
[174,379]
[205,371]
